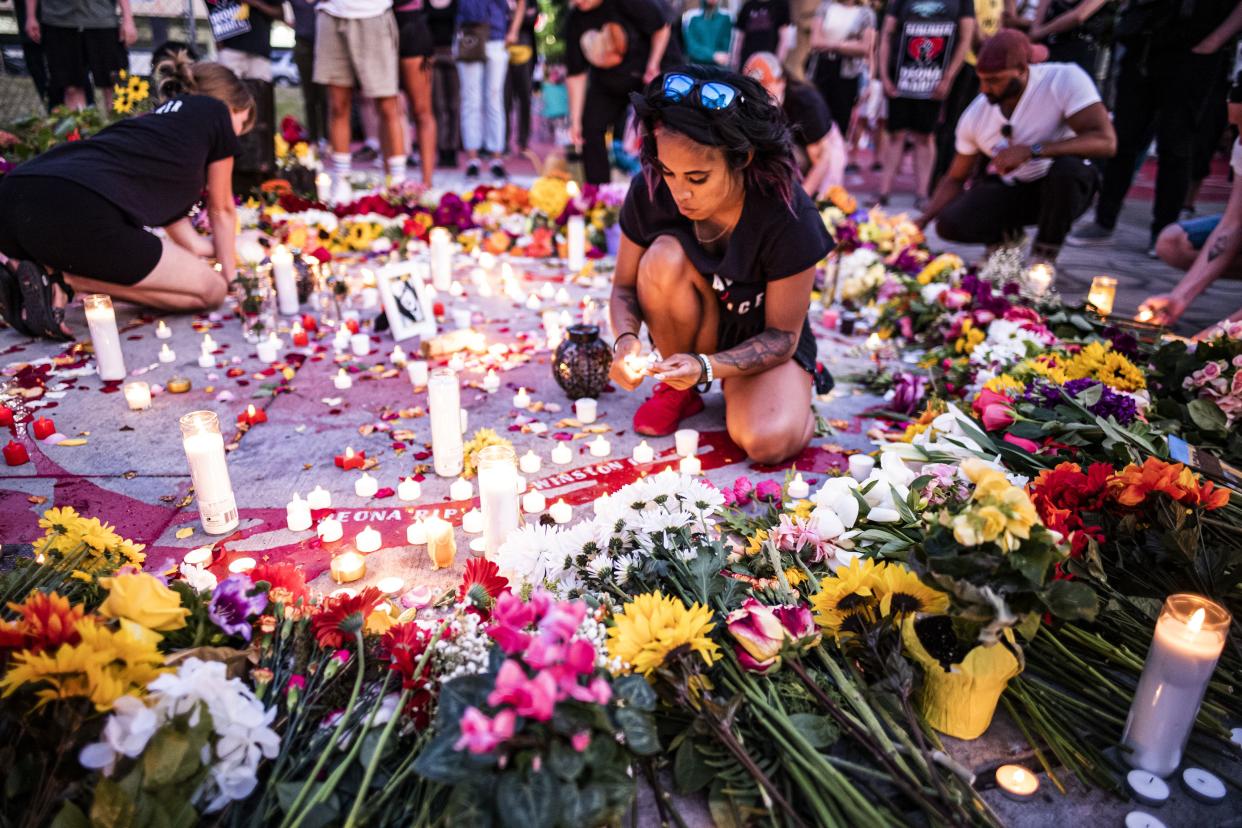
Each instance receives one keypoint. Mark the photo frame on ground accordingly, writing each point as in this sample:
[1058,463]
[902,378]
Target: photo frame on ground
[403,288]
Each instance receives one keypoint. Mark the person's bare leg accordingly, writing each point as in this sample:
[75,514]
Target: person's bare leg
[890,157]
[75,97]
[1174,248]
[769,415]
[924,158]
[391,134]
[184,235]
[338,117]
[678,305]
[180,281]
[416,77]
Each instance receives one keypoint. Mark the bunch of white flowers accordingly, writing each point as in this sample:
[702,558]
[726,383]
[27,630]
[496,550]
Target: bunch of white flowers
[464,648]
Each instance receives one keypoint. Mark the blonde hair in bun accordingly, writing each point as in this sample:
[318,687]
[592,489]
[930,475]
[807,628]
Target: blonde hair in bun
[180,75]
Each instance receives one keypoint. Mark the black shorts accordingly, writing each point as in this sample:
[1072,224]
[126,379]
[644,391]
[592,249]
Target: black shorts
[76,57]
[913,115]
[65,226]
[414,35]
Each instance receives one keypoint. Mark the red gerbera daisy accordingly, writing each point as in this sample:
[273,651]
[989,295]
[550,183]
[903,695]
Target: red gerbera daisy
[288,583]
[341,616]
[47,621]
[482,583]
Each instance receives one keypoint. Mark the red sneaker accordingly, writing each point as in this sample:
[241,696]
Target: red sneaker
[664,410]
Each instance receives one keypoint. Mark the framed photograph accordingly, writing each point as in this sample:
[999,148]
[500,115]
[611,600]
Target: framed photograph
[403,288]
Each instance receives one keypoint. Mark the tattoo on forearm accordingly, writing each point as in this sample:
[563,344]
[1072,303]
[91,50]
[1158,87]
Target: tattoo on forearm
[764,350]
[1218,246]
[627,313]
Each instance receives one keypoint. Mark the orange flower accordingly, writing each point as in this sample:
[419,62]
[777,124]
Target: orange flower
[46,621]
[497,242]
[1134,484]
[841,199]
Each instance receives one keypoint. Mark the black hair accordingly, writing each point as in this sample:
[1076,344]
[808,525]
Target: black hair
[754,123]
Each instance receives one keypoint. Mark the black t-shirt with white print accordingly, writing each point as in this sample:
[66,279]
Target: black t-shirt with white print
[768,244]
[154,166]
[922,46]
[640,19]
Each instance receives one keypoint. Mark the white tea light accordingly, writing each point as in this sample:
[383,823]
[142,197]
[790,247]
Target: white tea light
[472,522]
[137,395]
[390,585]
[1203,785]
[242,565]
[415,534]
[530,463]
[360,344]
[341,381]
[534,502]
[861,466]
[408,489]
[561,512]
[366,486]
[368,540]
[1147,787]
[798,489]
[599,447]
[162,331]
[199,556]
[687,442]
[585,410]
[1016,782]
[643,453]
[561,454]
[330,530]
[417,369]
[297,514]
[167,354]
[521,399]
[691,466]
[319,498]
[462,489]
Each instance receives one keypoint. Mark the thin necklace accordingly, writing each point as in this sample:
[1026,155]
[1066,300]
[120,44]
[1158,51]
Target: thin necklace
[717,237]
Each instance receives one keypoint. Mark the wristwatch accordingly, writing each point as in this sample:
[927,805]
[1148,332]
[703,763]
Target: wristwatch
[1036,150]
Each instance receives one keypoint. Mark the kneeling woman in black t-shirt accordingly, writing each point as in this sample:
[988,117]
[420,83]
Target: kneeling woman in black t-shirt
[718,258]
[75,217]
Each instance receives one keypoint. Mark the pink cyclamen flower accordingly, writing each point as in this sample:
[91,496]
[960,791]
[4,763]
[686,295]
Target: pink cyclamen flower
[534,698]
[581,740]
[768,490]
[479,734]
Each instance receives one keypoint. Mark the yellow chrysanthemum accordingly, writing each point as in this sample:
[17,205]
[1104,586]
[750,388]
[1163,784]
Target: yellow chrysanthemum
[1004,384]
[549,195]
[61,521]
[653,625]
[970,337]
[901,592]
[803,508]
[794,576]
[848,593]
[1000,513]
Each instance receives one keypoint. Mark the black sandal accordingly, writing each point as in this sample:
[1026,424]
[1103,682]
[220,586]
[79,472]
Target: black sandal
[42,315]
[11,300]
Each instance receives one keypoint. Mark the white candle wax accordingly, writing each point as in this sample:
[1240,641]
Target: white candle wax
[106,341]
[162,331]
[691,466]
[441,258]
[319,498]
[298,514]
[575,230]
[366,486]
[267,350]
[199,556]
[585,409]
[330,530]
[397,355]
[798,488]
[416,369]
[600,447]
[415,534]
[444,402]
[342,381]
[498,496]
[561,512]
[1204,786]
[533,303]
[534,502]
[206,360]
[643,453]
[561,454]
[521,399]
[1189,637]
[1017,782]
[390,585]
[408,489]
[137,395]
[687,442]
[167,354]
[204,449]
[368,540]
[462,489]
[285,280]
[530,463]
[242,565]
[1142,819]
[861,466]
[1147,787]
[360,344]
[472,522]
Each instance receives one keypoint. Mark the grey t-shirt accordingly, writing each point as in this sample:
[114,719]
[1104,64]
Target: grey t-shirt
[79,14]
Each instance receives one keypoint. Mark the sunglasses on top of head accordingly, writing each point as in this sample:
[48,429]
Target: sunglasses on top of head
[711,95]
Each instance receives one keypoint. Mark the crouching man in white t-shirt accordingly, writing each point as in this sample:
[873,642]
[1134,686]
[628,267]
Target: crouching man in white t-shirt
[1027,141]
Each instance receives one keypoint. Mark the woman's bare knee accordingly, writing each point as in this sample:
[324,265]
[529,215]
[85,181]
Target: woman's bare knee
[662,263]
[770,444]
[1174,248]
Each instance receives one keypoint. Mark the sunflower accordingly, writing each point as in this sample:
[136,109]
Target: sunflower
[755,545]
[652,626]
[848,593]
[901,592]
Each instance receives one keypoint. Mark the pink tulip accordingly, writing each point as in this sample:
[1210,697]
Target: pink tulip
[759,636]
[996,417]
[1022,443]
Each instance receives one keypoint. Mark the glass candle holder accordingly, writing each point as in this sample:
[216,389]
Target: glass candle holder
[581,362]
[1102,293]
[106,341]
[498,495]
[204,449]
[1190,634]
[444,402]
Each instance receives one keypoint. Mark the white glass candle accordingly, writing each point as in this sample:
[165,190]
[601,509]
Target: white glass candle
[340,341]
[462,489]
[106,341]
[441,258]
[1039,278]
[298,514]
[368,540]
[561,454]
[268,350]
[342,381]
[798,488]
[162,331]
[285,280]
[323,187]
[204,449]
[1102,294]
[415,534]
[861,466]
[417,371]
[319,498]
[1190,634]
[347,567]
[366,486]
[137,395]
[498,495]
[206,360]
[408,489]
[530,463]
[444,402]
[472,522]
[441,542]
[687,441]
[360,344]
[643,453]
[330,530]
[575,243]
[521,399]
[534,502]
[561,512]
[585,410]
[600,447]
[691,465]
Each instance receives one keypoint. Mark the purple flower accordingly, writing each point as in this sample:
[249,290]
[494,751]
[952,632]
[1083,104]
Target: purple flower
[231,606]
[908,261]
[908,392]
[1120,407]
[1123,342]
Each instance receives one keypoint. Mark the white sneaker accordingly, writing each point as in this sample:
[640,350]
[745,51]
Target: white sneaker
[342,192]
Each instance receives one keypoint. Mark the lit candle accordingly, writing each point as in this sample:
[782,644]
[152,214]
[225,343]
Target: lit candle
[472,522]
[498,495]
[341,381]
[268,350]
[563,297]
[530,463]
[547,291]
[416,534]
[534,502]
[1039,278]
[585,409]
[319,498]
[643,453]
[521,399]
[299,336]
[561,454]
[444,402]
[861,466]
[441,542]
[360,344]
[340,341]
[138,395]
[1190,634]
[323,187]
[417,371]
[691,465]
[461,318]
[348,566]
[366,486]
[462,489]
[441,258]
[1017,782]
[408,489]
[575,244]
[198,556]
[298,514]
[390,585]
[252,416]
[491,382]
[350,459]
[561,512]
[204,449]
[206,359]
[687,442]
[368,540]
[1102,293]
[105,340]
[798,488]
[242,565]
[167,354]
[285,280]
[330,530]
[162,331]
[533,303]
[599,447]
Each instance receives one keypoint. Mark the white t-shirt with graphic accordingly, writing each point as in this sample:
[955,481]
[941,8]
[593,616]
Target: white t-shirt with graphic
[1054,93]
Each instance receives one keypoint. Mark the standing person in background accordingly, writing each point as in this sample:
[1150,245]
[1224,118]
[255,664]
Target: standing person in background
[32,54]
[706,34]
[843,38]
[612,48]
[485,30]
[445,82]
[1073,30]
[417,49]
[85,42]
[765,26]
[923,45]
[519,82]
[243,33]
[314,99]
[988,17]
[356,43]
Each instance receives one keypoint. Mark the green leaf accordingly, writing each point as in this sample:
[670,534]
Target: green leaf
[170,757]
[70,816]
[1071,600]
[566,762]
[440,763]
[589,803]
[640,732]
[526,799]
[705,574]
[113,807]
[819,731]
[690,772]
[637,693]
[1033,559]
[1207,415]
